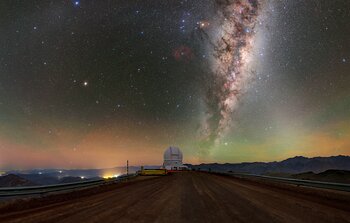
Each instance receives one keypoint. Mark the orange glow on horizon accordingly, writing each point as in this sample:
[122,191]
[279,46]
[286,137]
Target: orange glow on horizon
[104,149]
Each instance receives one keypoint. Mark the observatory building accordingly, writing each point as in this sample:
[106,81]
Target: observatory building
[173,159]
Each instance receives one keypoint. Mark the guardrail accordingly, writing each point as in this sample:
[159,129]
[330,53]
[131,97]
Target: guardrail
[33,190]
[308,183]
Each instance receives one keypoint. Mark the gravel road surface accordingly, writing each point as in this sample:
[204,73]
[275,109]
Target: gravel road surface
[185,197]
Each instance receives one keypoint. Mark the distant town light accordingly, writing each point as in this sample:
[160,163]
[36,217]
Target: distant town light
[110,176]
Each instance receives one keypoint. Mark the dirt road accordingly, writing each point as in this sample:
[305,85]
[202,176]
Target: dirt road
[188,197]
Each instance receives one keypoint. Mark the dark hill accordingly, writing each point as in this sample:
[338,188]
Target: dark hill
[40,179]
[12,180]
[294,165]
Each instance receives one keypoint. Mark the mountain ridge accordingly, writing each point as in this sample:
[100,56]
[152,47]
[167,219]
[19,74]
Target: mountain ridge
[297,164]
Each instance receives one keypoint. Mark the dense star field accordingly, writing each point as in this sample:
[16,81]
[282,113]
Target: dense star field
[93,83]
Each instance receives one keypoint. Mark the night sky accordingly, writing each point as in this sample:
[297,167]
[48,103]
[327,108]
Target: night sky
[87,84]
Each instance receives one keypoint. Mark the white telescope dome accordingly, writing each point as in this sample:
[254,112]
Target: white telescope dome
[173,159]
[173,153]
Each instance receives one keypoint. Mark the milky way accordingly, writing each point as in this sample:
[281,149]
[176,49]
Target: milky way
[231,45]
[95,83]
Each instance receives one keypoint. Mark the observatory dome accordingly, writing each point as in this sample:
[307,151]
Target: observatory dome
[173,159]
[173,153]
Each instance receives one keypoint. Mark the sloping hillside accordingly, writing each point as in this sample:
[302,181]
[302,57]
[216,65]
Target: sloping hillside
[12,180]
[298,164]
